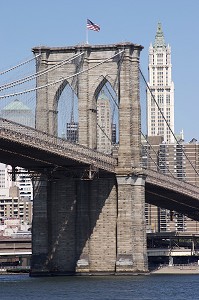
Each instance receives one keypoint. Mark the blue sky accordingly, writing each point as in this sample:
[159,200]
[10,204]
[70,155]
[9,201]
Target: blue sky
[25,24]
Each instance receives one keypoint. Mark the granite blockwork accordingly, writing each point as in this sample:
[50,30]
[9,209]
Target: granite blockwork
[92,226]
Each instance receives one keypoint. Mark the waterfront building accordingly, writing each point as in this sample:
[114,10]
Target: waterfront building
[15,228]
[14,207]
[5,181]
[161,89]
[24,183]
[17,111]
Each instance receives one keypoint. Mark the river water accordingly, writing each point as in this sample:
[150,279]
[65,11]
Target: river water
[148,287]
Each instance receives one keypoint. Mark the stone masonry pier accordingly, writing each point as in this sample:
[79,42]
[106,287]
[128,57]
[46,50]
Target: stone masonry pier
[91,226]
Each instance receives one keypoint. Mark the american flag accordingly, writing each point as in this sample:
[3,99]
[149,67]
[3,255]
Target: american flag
[92,26]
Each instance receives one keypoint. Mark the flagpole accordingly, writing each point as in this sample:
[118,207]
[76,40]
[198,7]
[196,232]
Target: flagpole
[86,35]
[87,32]
[92,26]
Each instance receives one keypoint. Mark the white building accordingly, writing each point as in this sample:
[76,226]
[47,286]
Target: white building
[24,183]
[161,89]
[5,181]
[16,111]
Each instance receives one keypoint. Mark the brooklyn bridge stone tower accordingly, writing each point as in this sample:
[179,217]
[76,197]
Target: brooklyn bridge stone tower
[90,226]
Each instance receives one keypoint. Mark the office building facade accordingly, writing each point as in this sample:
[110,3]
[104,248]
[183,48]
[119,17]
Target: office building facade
[160,97]
[180,160]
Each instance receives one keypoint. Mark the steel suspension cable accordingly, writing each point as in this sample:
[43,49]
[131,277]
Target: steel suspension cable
[38,74]
[19,65]
[60,80]
[157,156]
[104,133]
[112,96]
[168,123]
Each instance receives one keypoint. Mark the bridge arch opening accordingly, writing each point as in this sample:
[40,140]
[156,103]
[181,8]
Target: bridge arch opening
[66,101]
[107,108]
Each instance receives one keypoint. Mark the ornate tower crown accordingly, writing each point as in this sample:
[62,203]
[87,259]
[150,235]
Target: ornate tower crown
[159,38]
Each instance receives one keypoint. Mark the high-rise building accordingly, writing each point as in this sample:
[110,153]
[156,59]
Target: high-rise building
[18,112]
[180,160]
[161,89]
[72,131]
[5,181]
[104,126]
[24,183]
[16,208]
[15,202]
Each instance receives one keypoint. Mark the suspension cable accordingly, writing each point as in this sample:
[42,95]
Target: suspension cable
[36,75]
[60,80]
[122,56]
[111,95]
[156,154]
[19,65]
[104,133]
[168,123]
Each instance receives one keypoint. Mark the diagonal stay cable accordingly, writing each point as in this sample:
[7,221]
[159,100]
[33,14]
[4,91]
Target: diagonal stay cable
[156,156]
[168,124]
[104,133]
[119,67]
[111,94]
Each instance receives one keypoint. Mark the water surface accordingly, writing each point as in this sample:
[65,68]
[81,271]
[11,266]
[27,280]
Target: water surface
[147,287]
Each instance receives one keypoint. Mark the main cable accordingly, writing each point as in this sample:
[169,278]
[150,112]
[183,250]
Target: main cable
[60,80]
[19,65]
[36,75]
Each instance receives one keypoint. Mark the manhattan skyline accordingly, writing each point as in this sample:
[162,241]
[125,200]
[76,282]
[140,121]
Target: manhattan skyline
[25,25]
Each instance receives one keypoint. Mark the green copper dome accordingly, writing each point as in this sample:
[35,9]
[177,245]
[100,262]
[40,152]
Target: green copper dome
[16,105]
[103,96]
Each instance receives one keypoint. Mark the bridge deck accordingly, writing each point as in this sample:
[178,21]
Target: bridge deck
[171,193]
[33,148]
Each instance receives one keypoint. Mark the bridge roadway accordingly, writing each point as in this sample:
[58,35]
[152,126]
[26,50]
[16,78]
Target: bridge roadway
[35,150]
[168,192]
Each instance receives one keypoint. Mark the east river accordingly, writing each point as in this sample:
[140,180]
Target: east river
[148,287]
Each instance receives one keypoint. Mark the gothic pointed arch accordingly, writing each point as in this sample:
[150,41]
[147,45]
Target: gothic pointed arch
[101,81]
[105,101]
[66,107]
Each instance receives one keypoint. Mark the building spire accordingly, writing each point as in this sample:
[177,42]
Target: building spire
[159,38]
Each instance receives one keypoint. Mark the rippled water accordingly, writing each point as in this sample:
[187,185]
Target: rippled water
[150,287]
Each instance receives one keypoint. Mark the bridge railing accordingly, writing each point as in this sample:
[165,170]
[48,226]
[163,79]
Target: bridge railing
[168,181]
[73,150]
